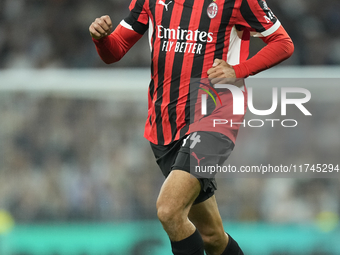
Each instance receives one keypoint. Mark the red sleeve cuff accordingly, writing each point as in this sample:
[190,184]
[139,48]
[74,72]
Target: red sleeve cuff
[102,41]
[113,47]
[241,71]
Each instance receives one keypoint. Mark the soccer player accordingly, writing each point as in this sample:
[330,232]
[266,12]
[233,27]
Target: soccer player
[192,39]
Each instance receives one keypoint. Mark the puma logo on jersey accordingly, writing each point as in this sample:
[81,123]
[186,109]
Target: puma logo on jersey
[165,5]
[198,159]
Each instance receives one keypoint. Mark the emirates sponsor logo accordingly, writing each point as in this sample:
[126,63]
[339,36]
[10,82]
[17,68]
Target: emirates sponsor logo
[183,34]
[212,10]
[188,41]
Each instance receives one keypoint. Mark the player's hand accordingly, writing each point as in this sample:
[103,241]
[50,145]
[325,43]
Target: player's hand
[101,27]
[221,72]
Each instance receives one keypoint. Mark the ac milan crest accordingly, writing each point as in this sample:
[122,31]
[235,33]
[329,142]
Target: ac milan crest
[212,10]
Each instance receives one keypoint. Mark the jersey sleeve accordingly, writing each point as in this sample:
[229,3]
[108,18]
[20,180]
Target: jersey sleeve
[113,47]
[279,47]
[138,19]
[256,15]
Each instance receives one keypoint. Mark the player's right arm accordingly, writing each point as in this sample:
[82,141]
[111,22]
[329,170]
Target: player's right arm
[111,47]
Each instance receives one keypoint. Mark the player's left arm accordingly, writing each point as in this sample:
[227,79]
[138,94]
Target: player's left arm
[255,15]
[279,47]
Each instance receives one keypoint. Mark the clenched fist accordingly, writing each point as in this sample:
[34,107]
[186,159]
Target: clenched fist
[101,27]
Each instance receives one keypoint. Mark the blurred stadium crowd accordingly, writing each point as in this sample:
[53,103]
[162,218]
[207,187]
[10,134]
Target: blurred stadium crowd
[79,159]
[54,33]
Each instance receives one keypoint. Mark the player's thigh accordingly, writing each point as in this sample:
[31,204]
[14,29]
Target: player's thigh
[207,219]
[178,192]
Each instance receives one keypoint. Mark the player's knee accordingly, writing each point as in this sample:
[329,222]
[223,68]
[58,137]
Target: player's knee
[167,213]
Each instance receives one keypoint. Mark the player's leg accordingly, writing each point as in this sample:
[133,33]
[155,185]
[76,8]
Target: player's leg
[206,217]
[180,190]
[213,149]
[176,196]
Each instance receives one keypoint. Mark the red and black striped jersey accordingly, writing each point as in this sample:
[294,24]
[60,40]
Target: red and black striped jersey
[185,37]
